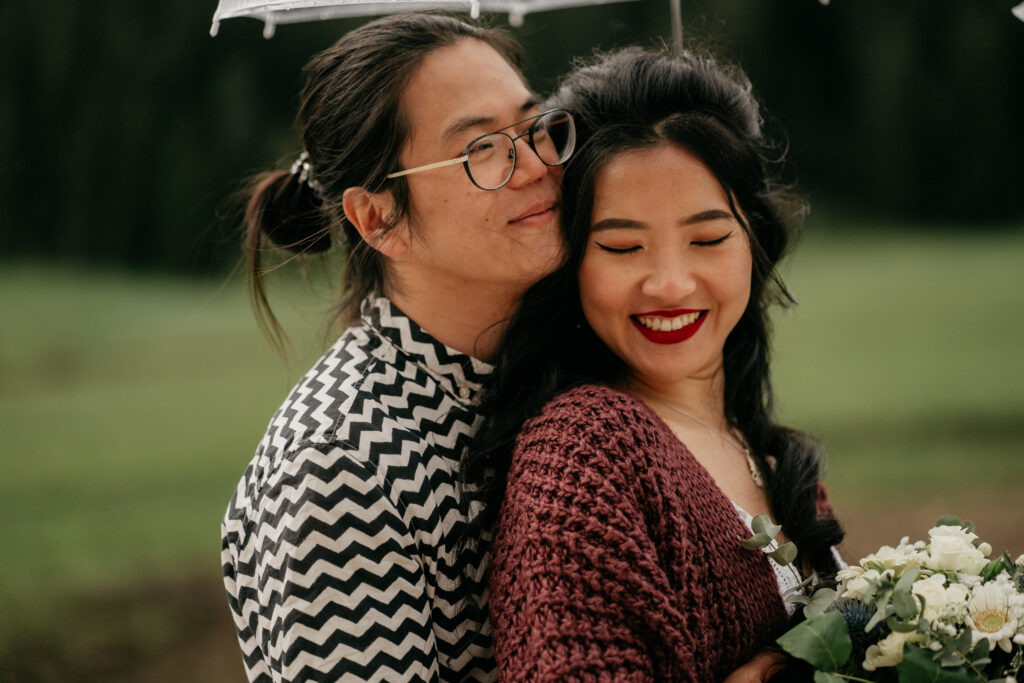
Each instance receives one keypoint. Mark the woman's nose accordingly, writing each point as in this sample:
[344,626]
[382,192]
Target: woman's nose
[669,279]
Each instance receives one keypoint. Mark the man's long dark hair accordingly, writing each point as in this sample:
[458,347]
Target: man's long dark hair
[628,100]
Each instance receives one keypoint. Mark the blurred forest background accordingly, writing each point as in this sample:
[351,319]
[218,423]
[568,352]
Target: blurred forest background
[134,385]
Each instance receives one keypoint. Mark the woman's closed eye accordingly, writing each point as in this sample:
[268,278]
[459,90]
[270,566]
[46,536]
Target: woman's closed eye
[713,242]
[618,250]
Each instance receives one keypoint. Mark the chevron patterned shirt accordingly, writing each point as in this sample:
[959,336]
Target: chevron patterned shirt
[338,547]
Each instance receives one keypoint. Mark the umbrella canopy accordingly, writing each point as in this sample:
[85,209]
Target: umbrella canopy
[274,12]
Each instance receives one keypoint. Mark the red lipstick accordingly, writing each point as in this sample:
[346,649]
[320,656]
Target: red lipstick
[673,336]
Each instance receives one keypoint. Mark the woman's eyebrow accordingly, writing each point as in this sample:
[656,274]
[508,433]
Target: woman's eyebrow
[617,224]
[630,224]
[705,216]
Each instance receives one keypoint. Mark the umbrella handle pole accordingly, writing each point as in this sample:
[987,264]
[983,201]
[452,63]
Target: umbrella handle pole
[677,26]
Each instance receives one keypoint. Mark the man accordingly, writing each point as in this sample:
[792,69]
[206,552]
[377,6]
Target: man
[339,545]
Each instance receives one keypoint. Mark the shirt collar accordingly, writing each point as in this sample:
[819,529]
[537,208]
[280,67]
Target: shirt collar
[459,374]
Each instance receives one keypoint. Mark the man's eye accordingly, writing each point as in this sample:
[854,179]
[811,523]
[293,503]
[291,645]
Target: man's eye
[481,147]
[711,243]
[618,250]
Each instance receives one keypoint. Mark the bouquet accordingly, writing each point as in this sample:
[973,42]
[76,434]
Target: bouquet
[940,611]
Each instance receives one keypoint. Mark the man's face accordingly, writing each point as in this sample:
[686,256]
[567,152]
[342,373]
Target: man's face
[465,239]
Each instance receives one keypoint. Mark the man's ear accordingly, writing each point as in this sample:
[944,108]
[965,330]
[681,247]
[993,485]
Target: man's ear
[368,212]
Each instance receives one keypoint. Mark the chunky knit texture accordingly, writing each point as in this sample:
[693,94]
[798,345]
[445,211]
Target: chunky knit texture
[618,558]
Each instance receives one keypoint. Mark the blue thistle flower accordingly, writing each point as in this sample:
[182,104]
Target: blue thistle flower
[857,615]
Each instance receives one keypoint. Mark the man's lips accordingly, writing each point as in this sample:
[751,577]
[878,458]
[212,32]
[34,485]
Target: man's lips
[538,213]
[669,327]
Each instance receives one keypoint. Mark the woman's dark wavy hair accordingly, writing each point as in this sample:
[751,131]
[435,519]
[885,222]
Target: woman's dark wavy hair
[628,100]
[353,126]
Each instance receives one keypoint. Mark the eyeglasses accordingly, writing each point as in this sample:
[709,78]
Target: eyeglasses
[490,160]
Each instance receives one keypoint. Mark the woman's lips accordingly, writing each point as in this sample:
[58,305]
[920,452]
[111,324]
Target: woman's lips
[669,327]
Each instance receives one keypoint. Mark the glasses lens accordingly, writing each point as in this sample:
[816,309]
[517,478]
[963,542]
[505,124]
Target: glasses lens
[553,137]
[491,160]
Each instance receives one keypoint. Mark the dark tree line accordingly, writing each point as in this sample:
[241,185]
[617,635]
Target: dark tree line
[123,125]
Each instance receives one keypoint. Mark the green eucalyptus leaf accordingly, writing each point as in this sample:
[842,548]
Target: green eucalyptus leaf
[949,661]
[756,541]
[820,601]
[906,581]
[825,677]
[904,604]
[762,524]
[784,554]
[797,599]
[880,615]
[900,626]
[919,667]
[880,594]
[822,641]
[963,643]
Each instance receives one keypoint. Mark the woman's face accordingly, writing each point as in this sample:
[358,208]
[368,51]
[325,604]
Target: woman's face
[666,271]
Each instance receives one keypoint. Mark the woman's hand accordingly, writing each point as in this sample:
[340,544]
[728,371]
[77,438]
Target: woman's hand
[761,667]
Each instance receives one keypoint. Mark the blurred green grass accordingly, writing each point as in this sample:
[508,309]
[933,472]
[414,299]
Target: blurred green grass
[906,358]
[131,403]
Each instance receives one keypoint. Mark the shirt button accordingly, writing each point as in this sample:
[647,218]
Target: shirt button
[464,392]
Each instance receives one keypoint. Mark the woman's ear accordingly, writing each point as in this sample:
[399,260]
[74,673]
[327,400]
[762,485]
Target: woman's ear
[368,212]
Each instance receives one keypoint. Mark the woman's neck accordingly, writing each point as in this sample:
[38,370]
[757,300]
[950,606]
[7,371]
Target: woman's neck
[700,397]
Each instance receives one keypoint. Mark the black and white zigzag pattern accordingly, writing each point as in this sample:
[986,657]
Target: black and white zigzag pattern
[338,546]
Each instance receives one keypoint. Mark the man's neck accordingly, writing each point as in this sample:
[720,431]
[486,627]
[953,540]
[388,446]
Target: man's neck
[468,317]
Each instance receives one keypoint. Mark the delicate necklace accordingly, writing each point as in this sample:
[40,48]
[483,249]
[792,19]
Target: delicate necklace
[755,471]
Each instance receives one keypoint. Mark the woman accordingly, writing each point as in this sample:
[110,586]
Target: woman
[642,364]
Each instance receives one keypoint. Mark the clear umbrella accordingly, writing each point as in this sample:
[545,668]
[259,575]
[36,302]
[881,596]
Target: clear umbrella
[274,12]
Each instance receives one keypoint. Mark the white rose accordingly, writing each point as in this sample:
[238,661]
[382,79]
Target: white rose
[888,651]
[933,591]
[951,549]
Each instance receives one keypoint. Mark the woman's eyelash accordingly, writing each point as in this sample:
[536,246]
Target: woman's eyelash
[613,250]
[711,243]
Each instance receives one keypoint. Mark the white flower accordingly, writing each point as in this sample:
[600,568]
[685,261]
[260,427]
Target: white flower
[933,591]
[887,652]
[902,556]
[993,613]
[957,595]
[844,575]
[969,579]
[857,587]
[951,549]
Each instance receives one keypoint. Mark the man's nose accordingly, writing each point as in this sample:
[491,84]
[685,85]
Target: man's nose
[529,168]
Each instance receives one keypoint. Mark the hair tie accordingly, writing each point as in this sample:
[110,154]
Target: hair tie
[304,170]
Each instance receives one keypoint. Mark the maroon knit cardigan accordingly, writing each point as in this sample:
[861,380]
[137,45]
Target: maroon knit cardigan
[618,558]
